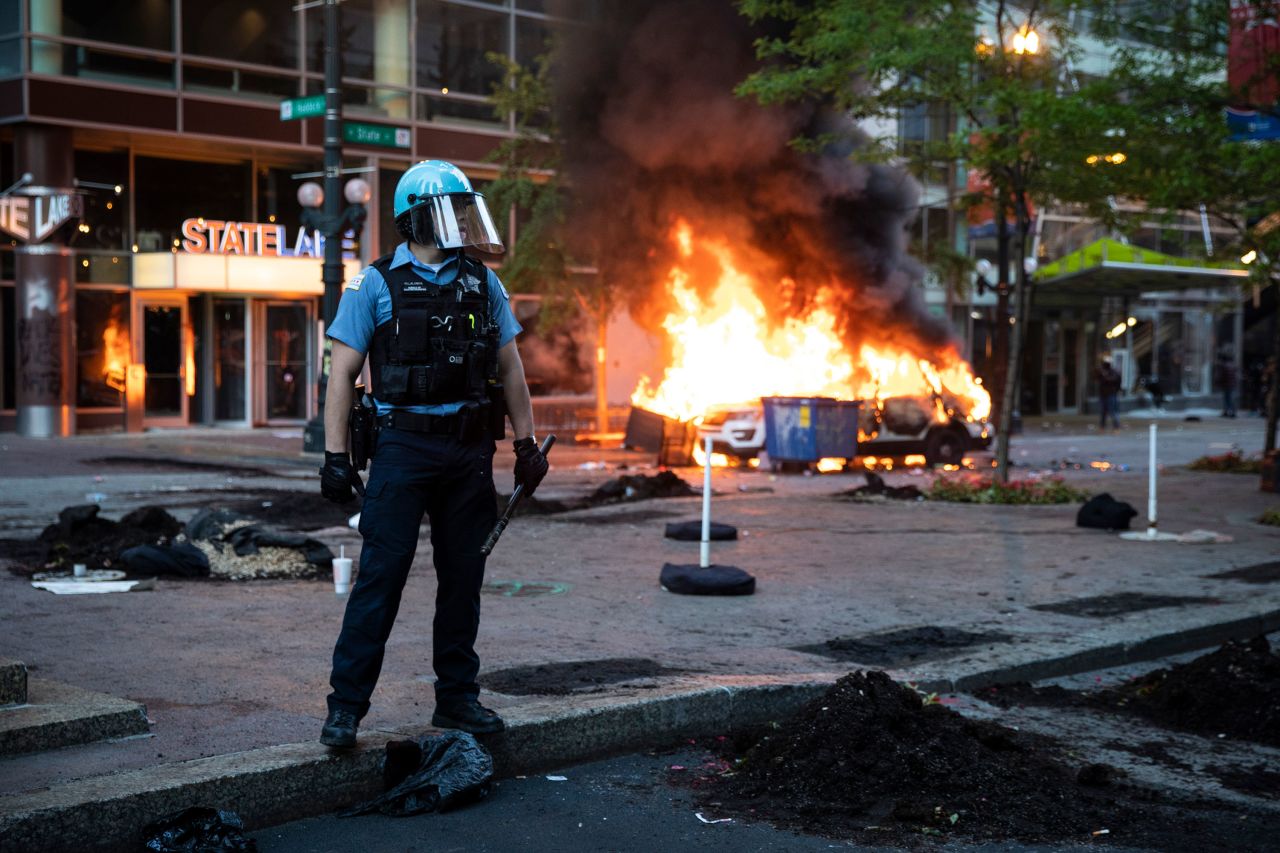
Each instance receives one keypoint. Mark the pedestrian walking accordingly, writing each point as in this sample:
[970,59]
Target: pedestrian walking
[1227,377]
[1108,379]
[439,333]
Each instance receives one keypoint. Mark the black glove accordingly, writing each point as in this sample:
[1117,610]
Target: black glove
[531,465]
[335,477]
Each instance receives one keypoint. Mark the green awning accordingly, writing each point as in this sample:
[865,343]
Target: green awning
[1108,267]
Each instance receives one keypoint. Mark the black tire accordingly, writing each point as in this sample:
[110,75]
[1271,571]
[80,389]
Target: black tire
[944,447]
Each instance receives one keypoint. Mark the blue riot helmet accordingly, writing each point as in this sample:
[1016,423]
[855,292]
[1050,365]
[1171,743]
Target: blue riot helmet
[436,206]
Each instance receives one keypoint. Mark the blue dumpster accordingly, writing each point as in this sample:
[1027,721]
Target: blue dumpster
[806,429]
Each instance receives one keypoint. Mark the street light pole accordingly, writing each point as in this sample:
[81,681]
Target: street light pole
[313,435]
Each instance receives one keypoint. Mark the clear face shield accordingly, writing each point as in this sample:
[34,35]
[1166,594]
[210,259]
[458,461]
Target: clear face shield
[454,222]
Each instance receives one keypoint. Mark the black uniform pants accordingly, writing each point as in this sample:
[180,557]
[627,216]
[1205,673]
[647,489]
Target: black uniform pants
[452,482]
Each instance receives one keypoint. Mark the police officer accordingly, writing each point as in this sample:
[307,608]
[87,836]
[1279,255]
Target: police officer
[439,334]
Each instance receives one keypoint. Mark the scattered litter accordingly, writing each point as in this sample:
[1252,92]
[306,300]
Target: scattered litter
[699,816]
[78,587]
[433,773]
[677,766]
[1204,537]
[95,497]
[876,489]
[1101,832]
[557,778]
[594,466]
[197,828]
[94,576]
[1103,512]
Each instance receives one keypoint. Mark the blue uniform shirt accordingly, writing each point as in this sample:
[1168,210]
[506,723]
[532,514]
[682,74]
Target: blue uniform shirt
[366,304]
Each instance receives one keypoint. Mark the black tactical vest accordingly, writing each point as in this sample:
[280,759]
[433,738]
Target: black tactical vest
[440,345]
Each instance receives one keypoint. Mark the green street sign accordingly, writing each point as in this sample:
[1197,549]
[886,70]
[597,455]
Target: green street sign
[311,106]
[375,134]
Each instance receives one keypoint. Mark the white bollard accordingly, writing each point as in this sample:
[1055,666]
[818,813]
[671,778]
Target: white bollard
[1153,533]
[706,506]
[1151,487]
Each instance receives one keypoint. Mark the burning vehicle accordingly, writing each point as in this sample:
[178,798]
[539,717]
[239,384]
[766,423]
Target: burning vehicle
[899,426]
[726,348]
[767,269]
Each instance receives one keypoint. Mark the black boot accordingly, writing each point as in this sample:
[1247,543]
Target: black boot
[339,729]
[468,715]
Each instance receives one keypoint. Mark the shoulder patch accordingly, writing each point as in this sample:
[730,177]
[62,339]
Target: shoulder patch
[502,288]
[354,284]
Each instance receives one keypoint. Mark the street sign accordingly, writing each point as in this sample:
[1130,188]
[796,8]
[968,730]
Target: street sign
[375,134]
[311,106]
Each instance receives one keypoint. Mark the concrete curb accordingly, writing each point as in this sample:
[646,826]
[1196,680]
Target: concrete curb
[13,682]
[57,715]
[281,783]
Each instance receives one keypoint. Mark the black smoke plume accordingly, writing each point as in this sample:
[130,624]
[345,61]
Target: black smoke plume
[653,132]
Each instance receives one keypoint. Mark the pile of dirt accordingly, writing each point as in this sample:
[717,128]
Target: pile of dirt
[876,490]
[632,487]
[81,535]
[871,754]
[639,487]
[1233,691]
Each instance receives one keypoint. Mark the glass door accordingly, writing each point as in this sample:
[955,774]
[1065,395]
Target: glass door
[230,350]
[163,353]
[283,362]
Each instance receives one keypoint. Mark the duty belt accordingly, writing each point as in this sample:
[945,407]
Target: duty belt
[464,424]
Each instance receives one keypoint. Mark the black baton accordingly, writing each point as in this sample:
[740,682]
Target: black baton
[511,505]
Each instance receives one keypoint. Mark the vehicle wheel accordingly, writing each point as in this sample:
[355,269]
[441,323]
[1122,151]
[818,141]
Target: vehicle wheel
[944,447]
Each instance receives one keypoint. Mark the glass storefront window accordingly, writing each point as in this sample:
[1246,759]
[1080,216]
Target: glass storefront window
[106,215]
[10,57]
[261,32]
[137,23]
[533,39]
[452,43]
[237,82]
[375,44]
[102,347]
[278,196]
[104,266]
[457,110]
[100,64]
[170,191]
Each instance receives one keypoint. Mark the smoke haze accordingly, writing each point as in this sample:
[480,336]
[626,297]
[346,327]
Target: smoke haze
[653,133]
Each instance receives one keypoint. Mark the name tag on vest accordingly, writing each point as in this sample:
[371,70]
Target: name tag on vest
[416,287]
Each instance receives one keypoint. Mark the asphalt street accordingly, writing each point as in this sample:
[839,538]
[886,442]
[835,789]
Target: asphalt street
[623,805]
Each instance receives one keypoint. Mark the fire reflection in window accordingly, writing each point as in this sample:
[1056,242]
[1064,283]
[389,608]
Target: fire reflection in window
[102,347]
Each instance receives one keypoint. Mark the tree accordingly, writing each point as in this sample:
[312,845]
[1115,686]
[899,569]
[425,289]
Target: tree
[531,182]
[997,66]
[1168,97]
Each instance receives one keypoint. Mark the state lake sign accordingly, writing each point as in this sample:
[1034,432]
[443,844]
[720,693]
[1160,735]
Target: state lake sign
[33,216]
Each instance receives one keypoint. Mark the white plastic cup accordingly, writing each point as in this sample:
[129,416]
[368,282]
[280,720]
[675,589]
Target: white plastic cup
[341,575]
[79,570]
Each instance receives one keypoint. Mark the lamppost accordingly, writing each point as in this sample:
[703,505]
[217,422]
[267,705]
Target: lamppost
[332,223]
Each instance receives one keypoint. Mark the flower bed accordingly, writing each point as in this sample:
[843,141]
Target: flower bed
[979,489]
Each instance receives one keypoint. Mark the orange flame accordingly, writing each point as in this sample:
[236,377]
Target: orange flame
[725,352]
[115,358]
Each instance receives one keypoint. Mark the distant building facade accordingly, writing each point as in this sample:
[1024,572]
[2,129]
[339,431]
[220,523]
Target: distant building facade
[179,286]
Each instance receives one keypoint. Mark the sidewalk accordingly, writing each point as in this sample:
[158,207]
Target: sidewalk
[228,668]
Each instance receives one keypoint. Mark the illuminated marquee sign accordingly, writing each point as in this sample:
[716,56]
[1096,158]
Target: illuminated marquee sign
[35,213]
[202,236]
